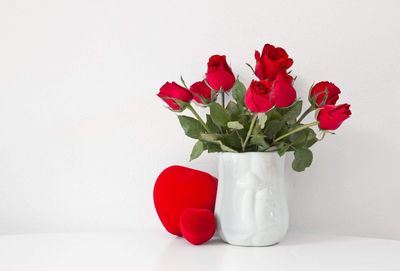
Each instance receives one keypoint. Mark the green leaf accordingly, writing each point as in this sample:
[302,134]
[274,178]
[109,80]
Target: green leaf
[262,120]
[256,129]
[272,128]
[225,148]
[233,110]
[283,148]
[235,125]
[259,140]
[298,139]
[232,140]
[302,159]
[210,137]
[212,147]
[218,114]
[210,124]
[273,114]
[311,137]
[238,92]
[241,134]
[290,114]
[214,138]
[231,107]
[311,142]
[284,130]
[191,126]
[197,150]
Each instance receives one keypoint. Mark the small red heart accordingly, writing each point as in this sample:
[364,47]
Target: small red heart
[197,225]
[178,188]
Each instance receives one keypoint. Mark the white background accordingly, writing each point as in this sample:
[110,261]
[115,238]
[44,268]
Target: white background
[83,136]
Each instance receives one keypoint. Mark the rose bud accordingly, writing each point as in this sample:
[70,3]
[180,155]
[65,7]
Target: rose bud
[201,92]
[219,75]
[283,93]
[271,61]
[258,96]
[320,90]
[170,92]
[330,117]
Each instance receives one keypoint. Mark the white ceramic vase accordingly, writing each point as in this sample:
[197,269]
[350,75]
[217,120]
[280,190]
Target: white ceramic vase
[251,207]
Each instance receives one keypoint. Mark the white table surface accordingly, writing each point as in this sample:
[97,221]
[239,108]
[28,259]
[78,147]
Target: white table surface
[157,250]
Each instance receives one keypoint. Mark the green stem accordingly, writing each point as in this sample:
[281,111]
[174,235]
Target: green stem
[298,129]
[223,98]
[240,138]
[310,109]
[253,121]
[190,107]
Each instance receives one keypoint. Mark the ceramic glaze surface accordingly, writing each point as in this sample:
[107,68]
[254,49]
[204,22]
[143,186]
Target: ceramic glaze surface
[251,207]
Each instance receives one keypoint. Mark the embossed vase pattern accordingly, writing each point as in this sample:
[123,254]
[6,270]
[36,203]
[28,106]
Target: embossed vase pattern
[251,206]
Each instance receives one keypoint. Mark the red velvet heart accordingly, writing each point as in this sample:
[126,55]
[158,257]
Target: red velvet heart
[178,188]
[197,225]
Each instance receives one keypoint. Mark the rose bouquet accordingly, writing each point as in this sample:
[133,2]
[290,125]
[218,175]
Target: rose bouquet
[264,117]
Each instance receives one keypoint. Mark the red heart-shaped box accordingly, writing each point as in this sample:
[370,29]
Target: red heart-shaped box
[178,188]
[197,225]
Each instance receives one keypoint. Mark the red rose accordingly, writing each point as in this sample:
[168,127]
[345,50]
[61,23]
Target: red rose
[258,96]
[219,74]
[324,88]
[201,92]
[287,77]
[170,91]
[283,93]
[273,60]
[330,117]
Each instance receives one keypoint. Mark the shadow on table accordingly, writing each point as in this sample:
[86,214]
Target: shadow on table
[292,239]
[177,254]
[297,239]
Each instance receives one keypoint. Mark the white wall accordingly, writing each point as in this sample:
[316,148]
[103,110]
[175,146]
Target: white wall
[83,135]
